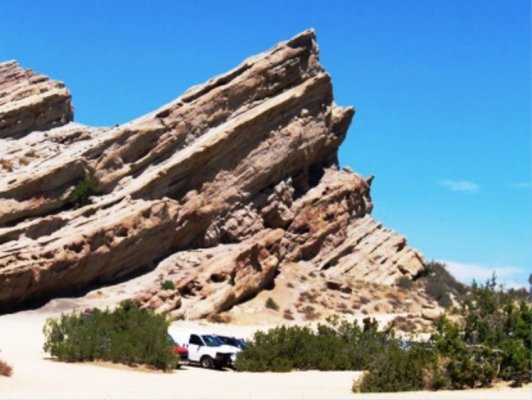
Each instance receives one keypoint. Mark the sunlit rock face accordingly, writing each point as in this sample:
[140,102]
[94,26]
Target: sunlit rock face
[219,189]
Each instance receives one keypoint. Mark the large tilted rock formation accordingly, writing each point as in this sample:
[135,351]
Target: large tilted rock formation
[220,189]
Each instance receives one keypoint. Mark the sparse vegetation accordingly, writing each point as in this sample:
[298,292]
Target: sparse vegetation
[490,340]
[167,285]
[406,324]
[127,335]
[271,304]
[219,318]
[310,313]
[287,314]
[405,283]
[439,270]
[82,192]
[31,153]
[438,291]
[440,284]
[6,164]
[496,330]
[493,341]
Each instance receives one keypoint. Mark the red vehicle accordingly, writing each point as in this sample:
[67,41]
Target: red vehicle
[181,351]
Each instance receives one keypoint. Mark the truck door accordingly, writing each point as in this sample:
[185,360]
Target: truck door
[195,345]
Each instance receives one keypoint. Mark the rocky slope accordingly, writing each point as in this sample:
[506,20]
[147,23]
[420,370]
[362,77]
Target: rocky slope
[220,190]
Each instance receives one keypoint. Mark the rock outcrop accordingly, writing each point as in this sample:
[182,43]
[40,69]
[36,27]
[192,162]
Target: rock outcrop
[219,190]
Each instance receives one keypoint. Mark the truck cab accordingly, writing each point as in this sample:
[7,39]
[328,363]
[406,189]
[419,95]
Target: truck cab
[207,350]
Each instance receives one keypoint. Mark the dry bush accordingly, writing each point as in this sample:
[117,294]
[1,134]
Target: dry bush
[290,285]
[6,164]
[391,296]
[341,306]
[405,283]
[310,313]
[5,369]
[313,297]
[405,324]
[304,296]
[396,304]
[287,314]
[219,318]
[271,304]
[31,153]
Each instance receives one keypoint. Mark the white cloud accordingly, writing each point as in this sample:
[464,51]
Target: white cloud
[459,186]
[511,277]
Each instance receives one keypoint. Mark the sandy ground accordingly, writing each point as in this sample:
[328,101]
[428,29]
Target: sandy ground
[37,377]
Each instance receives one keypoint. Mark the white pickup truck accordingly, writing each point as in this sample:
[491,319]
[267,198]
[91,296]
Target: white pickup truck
[206,349]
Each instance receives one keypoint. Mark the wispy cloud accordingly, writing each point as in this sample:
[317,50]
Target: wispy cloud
[511,277]
[459,186]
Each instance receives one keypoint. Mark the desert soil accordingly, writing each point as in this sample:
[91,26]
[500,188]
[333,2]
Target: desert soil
[36,376]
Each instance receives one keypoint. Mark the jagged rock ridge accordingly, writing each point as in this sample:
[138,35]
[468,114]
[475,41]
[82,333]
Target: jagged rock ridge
[219,190]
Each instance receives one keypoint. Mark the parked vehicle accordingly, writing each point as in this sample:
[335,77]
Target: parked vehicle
[207,350]
[180,350]
[232,341]
[237,344]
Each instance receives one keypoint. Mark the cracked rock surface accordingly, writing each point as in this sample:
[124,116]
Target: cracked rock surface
[218,190]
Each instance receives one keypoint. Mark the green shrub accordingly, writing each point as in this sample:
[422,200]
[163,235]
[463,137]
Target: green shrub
[167,285]
[397,369]
[501,321]
[463,365]
[332,346]
[493,341]
[83,190]
[127,335]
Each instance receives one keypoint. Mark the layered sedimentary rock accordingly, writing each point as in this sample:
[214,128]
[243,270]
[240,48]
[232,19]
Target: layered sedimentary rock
[220,188]
[30,101]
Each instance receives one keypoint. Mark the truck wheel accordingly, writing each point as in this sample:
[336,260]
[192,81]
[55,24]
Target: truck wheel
[206,362]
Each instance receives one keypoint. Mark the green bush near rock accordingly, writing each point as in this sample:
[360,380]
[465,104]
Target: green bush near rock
[396,369]
[167,285]
[491,339]
[127,335]
[82,192]
[332,346]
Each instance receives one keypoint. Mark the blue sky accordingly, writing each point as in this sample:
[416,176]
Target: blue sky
[442,91]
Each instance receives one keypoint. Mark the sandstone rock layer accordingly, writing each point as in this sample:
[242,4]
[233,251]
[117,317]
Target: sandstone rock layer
[219,189]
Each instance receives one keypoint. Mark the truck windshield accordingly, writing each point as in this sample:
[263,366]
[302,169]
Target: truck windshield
[211,341]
